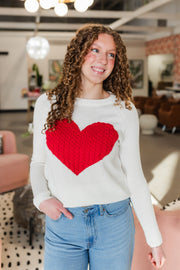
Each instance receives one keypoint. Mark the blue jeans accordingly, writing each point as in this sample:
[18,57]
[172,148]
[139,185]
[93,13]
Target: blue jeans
[101,235]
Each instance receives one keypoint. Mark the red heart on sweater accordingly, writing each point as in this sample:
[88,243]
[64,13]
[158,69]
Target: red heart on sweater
[78,149]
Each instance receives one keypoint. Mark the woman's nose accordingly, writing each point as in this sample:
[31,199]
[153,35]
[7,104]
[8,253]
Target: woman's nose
[103,58]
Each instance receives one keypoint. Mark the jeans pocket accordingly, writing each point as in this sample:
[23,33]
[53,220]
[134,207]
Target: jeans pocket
[60,217]
[116,209]
[55,220]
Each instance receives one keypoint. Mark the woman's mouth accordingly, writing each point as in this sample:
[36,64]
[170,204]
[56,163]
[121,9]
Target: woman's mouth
[98,70]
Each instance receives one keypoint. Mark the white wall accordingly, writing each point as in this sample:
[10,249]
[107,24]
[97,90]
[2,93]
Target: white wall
[156,64]
[136,51]
[13,75]
[57,52]
[16,67]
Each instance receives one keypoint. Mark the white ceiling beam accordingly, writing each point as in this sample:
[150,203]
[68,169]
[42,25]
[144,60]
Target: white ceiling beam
[70,26]
[41,26]
[139,11]
[64,36]
[71,13]
[160,15]
[148,29]
[91,14]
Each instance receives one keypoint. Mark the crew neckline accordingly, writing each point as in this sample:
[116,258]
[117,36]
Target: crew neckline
[95,102]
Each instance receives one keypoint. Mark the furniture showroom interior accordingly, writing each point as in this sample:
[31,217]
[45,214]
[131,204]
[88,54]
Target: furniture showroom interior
[34,35]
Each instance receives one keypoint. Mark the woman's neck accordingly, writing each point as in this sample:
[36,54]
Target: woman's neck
[93,92]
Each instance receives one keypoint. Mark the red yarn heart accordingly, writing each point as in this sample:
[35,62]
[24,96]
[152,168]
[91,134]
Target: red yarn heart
[78,149]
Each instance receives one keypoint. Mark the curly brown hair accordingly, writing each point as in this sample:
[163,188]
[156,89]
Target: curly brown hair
[69,88]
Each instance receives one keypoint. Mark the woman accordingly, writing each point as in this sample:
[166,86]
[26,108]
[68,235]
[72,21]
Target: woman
[86,170]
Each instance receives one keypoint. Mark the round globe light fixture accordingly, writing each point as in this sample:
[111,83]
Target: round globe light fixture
[54,3]
[61,9]
[31,5]
[90,2]
[81,5]
[37,47]
[45,4]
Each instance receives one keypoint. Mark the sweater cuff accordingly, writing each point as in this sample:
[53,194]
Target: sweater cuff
[154,240]
[40,198]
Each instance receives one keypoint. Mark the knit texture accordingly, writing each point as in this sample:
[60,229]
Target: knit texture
[78,149]
[93,160]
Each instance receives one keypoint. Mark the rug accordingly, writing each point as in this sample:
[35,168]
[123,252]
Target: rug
[17,254]
[174,205]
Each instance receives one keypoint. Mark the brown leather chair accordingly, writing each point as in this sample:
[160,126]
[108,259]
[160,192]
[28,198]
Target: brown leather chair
[169,116]
[153,104]
[139,102]
[173,100]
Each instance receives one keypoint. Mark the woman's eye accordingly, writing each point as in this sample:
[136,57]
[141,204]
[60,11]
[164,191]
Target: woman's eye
[94,50]
[112,55]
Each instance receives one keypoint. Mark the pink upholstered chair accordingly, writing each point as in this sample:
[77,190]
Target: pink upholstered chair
[14,167]
[169,224]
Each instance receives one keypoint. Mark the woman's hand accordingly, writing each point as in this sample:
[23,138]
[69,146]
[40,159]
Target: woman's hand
[157,257]
[53,208]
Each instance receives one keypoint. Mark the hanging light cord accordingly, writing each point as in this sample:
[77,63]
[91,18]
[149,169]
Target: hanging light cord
[37,22]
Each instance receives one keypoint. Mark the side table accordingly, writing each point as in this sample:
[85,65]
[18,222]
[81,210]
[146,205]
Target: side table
[148,123]
[30,103]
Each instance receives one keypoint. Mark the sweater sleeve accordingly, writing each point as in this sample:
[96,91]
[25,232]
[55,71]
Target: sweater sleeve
[140,195]
[37,166]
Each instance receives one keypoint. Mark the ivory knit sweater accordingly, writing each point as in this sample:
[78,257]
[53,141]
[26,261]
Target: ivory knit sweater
[92,160]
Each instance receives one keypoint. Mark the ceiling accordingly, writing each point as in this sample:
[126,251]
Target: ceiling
[137,20]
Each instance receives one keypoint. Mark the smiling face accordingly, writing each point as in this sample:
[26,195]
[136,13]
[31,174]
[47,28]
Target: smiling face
[99,61]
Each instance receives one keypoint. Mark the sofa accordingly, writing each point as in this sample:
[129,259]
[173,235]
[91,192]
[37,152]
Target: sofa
[14,167]
[169,224]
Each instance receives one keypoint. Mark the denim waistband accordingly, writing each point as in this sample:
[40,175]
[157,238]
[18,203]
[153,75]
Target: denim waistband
[99,209]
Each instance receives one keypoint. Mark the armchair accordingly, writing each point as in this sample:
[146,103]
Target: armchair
[169,116]
[153,104]
[14,167]
[139,102]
